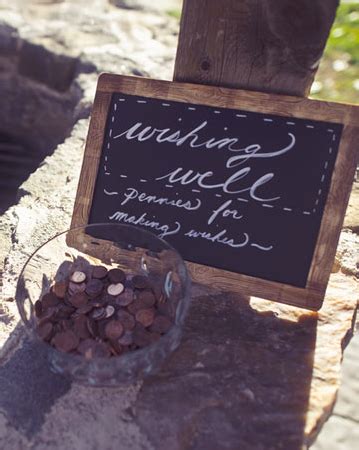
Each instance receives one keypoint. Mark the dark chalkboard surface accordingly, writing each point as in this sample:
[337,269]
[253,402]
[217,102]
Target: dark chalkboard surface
[251,188]
[237,190]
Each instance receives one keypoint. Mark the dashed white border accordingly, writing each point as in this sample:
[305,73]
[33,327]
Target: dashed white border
[108,146]
[325,167]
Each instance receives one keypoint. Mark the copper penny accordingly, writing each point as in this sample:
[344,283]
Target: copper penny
[94,288]
[135,306]
[127,320]
[147,298]
[66,341]
[49,314]
[49,299]
[78,277]
[145,316]
[75,288]
[99,272]
[59,289]
[125,298]
[116,276]
[114,329]
[63,311]
[140,282]
[79,299]
[80,327]
[45,330]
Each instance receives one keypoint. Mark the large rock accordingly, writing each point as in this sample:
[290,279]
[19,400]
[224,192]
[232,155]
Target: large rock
[249,374]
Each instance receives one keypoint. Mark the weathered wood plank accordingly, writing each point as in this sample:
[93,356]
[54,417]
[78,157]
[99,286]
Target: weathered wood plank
[264,45]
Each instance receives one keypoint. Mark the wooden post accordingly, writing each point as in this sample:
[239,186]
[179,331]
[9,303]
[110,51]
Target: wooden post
[263,45]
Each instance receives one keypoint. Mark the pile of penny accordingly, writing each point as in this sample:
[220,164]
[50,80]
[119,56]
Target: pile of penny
[102,313]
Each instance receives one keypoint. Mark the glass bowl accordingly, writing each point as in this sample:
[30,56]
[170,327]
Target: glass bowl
[131,249]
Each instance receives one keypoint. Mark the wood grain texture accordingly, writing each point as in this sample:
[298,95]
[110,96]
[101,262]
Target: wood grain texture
[263,45]
[312,296]
[91,159]
[336,205]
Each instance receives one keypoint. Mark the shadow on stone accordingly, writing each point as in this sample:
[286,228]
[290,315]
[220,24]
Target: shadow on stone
[40,103]
[28,388]
[240,380]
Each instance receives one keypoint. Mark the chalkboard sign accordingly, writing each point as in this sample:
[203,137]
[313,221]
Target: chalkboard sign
[238,183]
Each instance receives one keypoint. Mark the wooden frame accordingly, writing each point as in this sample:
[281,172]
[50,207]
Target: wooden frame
[312,295]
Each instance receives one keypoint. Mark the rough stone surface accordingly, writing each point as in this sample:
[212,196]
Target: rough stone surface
[352,216]
[341,432]
[249,374]
[348,252]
